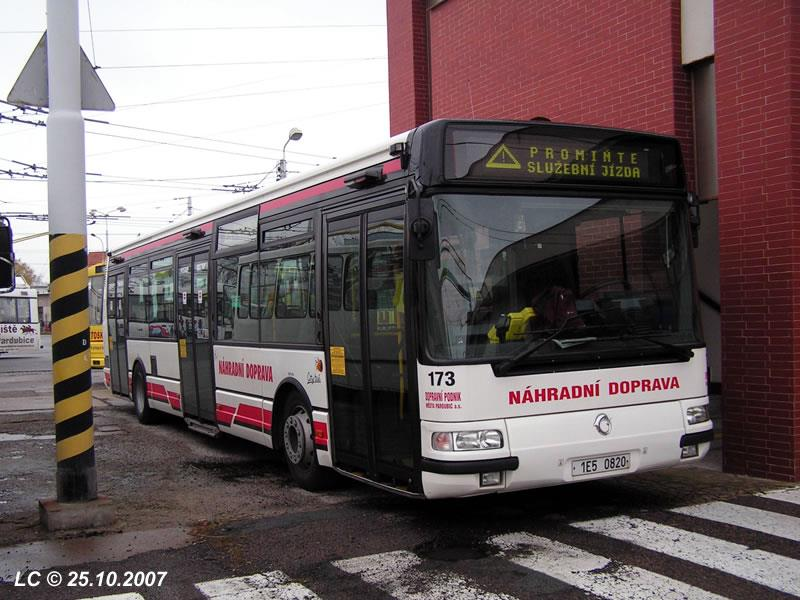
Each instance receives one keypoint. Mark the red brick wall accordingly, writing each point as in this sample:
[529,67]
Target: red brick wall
[603,62]
[758,118]
[408,64]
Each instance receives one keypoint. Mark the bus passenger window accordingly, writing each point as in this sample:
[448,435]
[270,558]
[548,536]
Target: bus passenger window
[138,300]
[8,310]
[244,328]
[351,287]
[226,296]
[292,291]
[335,265]
[243,310]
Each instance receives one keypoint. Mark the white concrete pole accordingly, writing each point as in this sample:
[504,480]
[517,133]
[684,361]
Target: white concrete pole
[66,153]
[76,479]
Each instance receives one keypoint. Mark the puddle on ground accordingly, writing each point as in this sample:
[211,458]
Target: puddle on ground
[236,471]
[100,430]
[454,550]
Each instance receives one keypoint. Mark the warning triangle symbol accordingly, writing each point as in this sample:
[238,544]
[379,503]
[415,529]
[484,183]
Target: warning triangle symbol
[32,86]
[503,159]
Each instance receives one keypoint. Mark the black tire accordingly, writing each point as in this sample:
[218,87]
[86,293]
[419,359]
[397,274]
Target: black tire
[297,443]
[144,413]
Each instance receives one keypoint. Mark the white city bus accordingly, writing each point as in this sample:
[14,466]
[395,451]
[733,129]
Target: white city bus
[19,320]
[474,307]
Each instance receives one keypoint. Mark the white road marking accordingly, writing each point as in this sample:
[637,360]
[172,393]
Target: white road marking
[592,573]
[744,516]
[788,495]
[274,585]
[767,569]
[398,574]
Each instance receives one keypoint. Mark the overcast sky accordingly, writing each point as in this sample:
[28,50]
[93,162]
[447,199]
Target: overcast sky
[313,64]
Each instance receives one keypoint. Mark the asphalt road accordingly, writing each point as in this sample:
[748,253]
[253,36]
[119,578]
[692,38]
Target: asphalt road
[220,518]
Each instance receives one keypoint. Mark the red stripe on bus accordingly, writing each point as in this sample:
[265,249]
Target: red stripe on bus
[174,400]
[254,417]
[321,435]
[328,186]
[157,392]
[393,166]
[268,421]
[389,167]
[174,238]
[225,414]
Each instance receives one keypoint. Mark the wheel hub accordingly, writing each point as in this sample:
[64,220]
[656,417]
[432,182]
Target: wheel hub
[297,437]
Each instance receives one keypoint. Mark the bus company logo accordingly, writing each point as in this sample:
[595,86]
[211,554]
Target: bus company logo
[532,395]
[233,368]
[27,329]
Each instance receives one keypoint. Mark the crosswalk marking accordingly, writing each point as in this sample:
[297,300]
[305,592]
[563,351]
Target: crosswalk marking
[788,495]
[398,574]
[745,516]
[405,576]
[592,573]
[274,585]
[767,569]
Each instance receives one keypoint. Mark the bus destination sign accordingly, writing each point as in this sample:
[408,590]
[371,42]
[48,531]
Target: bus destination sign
[561,154]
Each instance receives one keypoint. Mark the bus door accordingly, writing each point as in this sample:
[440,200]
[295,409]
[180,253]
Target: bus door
[117,348]
[194,345]
[374,421]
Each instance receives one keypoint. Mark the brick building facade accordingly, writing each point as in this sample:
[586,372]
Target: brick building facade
[721,75]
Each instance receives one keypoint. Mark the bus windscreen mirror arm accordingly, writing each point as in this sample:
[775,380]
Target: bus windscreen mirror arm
[421,219]
[6,257]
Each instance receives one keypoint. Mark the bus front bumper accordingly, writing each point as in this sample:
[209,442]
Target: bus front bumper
[547,450]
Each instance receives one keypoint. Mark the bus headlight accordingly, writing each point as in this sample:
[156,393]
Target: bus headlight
[485,439]
[697,414]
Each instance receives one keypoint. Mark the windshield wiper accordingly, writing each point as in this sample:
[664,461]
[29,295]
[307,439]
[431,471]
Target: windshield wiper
[680,352]
[534,346]
[677,351]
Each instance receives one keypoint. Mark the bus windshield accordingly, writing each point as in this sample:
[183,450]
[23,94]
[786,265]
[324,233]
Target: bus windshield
[96,283]
[558,278]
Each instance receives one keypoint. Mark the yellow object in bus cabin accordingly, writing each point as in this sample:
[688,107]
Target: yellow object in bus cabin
[517,326]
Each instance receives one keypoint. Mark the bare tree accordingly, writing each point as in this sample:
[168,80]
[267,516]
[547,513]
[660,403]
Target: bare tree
[22,269]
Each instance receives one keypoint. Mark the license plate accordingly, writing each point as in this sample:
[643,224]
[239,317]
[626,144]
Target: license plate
[601,464]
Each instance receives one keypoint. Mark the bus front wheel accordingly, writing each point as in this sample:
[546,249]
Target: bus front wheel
[144,413]
[298,446]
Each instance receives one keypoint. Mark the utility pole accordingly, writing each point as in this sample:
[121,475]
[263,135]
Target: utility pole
[76,478]
[76,504]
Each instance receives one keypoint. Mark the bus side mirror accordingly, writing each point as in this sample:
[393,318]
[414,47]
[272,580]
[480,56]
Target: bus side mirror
[6,256]
[694,218]
[422,239]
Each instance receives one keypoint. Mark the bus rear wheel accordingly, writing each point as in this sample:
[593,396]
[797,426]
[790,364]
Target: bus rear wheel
[144,413]
[298,446]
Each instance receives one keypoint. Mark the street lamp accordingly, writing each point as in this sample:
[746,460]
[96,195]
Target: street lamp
[294,135]
[95,214]
[99,239]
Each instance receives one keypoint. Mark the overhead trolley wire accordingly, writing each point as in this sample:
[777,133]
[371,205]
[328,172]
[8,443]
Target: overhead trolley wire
[242,63]
[211,28]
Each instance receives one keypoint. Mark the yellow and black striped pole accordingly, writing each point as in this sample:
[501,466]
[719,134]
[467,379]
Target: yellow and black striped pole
[76,477]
